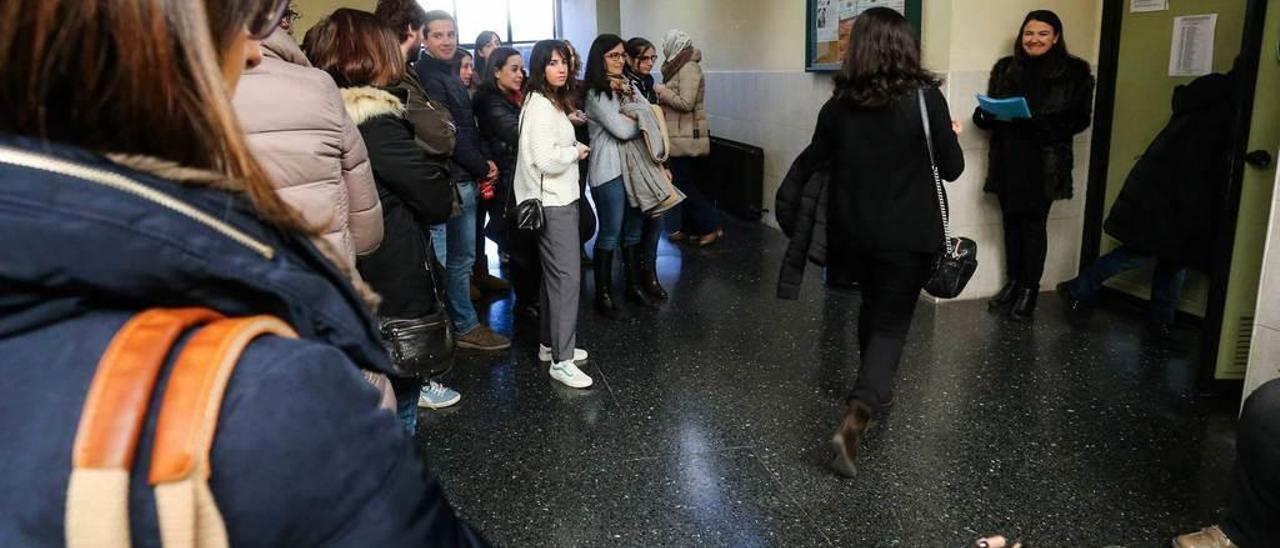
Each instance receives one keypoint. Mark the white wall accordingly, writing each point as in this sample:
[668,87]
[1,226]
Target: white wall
[758,93]
[579,25]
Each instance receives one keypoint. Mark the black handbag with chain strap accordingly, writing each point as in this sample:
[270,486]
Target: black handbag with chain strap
[958,259]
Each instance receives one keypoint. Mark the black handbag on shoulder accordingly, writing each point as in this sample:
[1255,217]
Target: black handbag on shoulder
[421,347]
[958,260]
[527,215]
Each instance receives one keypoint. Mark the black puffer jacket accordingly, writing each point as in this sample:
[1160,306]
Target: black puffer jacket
[499,122]
[1168,203]
[801,208]
[1030,161]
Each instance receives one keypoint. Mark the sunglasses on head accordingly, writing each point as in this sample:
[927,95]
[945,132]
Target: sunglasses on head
[266,18]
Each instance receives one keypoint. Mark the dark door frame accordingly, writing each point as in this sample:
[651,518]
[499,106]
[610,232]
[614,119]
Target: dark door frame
[1100,159]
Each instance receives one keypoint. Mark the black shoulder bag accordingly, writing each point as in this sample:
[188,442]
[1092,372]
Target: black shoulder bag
[958,260]
[527,215]
[421,347]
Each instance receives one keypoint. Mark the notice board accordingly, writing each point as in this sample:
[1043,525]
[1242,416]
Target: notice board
[829,23]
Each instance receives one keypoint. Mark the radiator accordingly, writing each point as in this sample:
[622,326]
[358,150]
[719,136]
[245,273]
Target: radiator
[734,176]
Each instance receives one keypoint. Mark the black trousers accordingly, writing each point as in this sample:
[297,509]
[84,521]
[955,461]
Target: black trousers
[525,266]
[1255,490]
[1026,241]
[891,283]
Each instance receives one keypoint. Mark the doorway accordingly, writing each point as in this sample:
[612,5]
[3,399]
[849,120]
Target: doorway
[1133,105]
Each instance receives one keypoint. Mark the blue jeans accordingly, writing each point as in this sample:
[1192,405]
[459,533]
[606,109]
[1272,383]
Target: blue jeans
[406,390]
[439,235]
[618,220]
[1166,281]
[460,257]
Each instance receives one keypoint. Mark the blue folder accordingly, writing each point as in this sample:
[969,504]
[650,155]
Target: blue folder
[1012,108]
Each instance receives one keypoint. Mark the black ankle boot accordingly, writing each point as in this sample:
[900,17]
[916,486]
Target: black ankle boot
[649,278]
[635,289]
[1024,304]
[602,267]
[1003,299]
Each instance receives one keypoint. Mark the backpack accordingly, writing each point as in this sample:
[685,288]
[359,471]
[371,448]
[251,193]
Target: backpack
[97,507]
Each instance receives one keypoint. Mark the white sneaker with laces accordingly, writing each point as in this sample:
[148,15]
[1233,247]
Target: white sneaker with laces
[568,374]
[544,354]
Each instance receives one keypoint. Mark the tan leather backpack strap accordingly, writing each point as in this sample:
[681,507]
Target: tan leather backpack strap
[180,468]
[97,510]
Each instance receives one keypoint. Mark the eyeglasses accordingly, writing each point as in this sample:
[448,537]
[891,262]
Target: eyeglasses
[644,58]
[615,56]
[291,15]
[265,20]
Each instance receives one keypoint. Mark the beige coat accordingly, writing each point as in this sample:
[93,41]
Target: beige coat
[684,104]
[299,130]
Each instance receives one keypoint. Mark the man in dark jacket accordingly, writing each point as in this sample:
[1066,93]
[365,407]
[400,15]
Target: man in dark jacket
[302,456]
[469,166]
[1165,212]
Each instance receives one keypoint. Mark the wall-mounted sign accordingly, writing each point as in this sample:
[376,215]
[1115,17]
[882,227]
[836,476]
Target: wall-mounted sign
[829,23]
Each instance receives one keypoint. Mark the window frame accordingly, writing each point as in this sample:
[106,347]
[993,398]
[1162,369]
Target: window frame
[506,34]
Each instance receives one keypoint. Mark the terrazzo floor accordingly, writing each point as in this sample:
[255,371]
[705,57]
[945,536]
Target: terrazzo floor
[708,423]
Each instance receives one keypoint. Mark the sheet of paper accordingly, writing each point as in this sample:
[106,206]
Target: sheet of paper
[1138,6]
[828,15]
[1192,50]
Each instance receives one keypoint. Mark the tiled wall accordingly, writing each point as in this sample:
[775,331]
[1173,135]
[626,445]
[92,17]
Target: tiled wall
[1264,357]
[777,110]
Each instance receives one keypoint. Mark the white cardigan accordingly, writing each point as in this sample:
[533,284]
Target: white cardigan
[547,163]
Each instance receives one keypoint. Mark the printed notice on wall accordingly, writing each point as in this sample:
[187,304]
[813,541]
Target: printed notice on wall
[828,15]
[1139,6]
[1192,52]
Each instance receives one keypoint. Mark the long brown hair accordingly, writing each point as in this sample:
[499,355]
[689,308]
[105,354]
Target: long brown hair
[356,48]
[882,62]
[562,96]
[133,77]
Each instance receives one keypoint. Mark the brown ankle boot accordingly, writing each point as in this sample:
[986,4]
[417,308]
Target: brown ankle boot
[848,436]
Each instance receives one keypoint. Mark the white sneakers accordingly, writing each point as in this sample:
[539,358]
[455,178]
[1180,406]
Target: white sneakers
[568,374]
[544,354]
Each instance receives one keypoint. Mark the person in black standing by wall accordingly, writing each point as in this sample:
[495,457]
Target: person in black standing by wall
[884,215]
[1030,159]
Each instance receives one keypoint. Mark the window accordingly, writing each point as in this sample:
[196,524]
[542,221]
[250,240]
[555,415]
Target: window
[515,21]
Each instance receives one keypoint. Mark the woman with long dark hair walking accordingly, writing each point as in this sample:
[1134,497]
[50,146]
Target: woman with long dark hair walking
[884,218]
[1031,159]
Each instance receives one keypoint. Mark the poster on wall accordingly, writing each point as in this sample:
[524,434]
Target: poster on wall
[830,22]
[1192,51]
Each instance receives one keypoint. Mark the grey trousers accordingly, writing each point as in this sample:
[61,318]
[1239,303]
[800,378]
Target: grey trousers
[560,247]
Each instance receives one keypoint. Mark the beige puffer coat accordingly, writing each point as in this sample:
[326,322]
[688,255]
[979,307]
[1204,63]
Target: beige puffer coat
[684,104]
[299,130]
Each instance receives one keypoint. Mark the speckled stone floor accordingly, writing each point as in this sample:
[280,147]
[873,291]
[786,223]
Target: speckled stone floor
[709,419]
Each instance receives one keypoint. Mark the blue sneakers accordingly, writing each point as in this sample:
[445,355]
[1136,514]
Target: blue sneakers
[437,396]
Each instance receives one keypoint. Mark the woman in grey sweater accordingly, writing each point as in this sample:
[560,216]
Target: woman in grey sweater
[620,223]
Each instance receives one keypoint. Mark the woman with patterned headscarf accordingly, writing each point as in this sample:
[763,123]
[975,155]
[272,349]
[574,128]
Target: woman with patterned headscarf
[682,95]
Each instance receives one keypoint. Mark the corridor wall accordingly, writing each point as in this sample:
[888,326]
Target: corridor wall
[759,93]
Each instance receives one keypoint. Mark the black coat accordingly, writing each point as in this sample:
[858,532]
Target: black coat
[1030,161]
[443,84]
[499,123]
[882,194]
[415,193]
[801,208]
[1168,203]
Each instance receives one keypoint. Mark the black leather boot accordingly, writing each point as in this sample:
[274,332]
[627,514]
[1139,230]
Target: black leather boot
[1003,299]
[1024,304]
[649,278]
[635,288]
[602,266]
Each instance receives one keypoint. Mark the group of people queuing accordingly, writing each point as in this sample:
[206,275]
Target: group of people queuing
[442,146]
